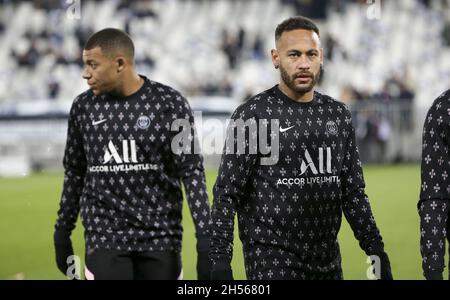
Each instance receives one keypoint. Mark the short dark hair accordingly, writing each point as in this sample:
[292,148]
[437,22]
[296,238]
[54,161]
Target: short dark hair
[293,23]
[112,41]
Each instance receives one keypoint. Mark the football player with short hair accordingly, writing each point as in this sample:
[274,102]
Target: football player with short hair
[435,188]
[122,175]
[290,206]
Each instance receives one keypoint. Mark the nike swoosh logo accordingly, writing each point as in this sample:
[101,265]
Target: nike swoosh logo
[286,129]
[98,122]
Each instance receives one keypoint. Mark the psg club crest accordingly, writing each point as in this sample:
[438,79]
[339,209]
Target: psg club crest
[332,128]
[143,122]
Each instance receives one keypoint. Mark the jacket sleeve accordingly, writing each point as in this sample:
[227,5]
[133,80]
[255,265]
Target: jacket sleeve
[74,163]
[234,172]
[189,167]
[435,188]
[355,203]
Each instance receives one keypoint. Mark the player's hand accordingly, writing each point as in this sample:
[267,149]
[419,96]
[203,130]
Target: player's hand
[63,249]
[385,266]
[221,273]
[203,260]
[433,275]
[203,265]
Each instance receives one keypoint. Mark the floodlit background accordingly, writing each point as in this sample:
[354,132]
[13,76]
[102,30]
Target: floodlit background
[388,60]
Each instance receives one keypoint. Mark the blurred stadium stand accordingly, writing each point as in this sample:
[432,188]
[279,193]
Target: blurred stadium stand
[217,53]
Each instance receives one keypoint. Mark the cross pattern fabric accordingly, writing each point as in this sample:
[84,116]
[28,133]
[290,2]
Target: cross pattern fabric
[435,188]
[289,213]
[122,176]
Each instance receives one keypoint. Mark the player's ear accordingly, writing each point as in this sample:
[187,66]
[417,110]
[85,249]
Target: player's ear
[321,56]
[120,64]
[275,58]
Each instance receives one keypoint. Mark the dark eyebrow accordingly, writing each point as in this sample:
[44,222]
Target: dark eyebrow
[313,51]
[310,51]
[90,61]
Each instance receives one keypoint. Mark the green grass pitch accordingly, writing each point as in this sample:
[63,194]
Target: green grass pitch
[28,210]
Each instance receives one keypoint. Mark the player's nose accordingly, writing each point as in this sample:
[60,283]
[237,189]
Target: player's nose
[86,74]
[303,62]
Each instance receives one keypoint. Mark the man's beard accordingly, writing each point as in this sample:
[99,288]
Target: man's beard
[290,80]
